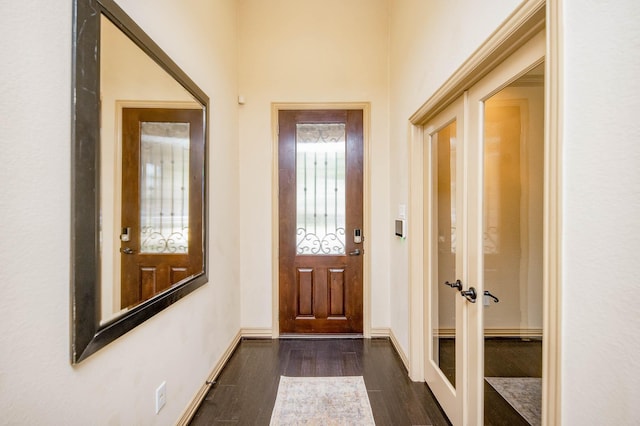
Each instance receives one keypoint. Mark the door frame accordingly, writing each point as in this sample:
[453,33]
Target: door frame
[365,107]
[530,18]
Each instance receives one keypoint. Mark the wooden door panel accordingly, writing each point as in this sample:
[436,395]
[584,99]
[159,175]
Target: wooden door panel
[305,293]
[320,293]
[178,273]
[336,285]
[148,281]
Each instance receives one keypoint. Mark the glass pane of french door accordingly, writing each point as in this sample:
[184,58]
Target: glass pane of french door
[444,297]
[513,250]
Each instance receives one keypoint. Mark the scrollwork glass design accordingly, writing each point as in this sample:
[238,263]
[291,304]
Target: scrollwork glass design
[164,188]
[320,188]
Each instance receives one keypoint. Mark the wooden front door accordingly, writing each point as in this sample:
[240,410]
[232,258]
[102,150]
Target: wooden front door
[320,162]
[161,217]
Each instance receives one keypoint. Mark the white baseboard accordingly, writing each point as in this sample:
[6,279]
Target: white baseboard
[380,332]
[513,332]
[398,348]
[191,409]
[500,332]
[263,332]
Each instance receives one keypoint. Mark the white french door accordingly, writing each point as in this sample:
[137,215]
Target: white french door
[444,260]
[483,228]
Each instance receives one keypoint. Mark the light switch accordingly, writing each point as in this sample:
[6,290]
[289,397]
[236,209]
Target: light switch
[402,211]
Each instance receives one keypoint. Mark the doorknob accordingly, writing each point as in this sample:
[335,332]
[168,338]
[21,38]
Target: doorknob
[356,252]
[457,284]
[470,294]
[126,250]
[487,293]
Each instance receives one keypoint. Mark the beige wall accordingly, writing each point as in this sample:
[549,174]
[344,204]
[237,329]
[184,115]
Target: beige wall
[428,42]
[601,198]
[181,344]
[308,51]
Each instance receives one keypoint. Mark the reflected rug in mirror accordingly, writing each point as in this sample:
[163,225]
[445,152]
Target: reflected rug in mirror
[322,401]
[524,394]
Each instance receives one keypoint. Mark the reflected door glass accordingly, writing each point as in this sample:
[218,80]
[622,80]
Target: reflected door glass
[444,297]
[164,187]
[320,188]
[513,249]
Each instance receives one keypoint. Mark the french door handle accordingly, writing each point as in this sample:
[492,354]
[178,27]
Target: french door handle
[470,294]
[126,250]
[356,252]
[487,293]
[456,285]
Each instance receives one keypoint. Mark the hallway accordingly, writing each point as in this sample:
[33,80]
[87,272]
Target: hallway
[246,389]
[247,55]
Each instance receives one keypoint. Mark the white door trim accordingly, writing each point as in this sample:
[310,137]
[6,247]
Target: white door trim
[275,227]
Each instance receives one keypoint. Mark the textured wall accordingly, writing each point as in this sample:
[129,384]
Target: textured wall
[181,344]
[601,367]
[429,40]
[308,51]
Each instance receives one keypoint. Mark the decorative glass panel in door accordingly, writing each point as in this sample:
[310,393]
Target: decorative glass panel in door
[164,187]
[320,188]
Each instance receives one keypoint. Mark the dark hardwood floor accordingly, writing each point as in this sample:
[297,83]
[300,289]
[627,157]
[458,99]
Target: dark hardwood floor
[245,391]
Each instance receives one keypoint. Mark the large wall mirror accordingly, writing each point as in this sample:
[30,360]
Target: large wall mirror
[139,197]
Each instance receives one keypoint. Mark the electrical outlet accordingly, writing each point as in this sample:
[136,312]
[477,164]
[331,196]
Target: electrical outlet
[161,396]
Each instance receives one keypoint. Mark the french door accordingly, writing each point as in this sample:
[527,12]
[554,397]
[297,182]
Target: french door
[484,168]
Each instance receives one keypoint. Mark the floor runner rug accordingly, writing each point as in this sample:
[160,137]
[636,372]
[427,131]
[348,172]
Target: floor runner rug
[322,401]
[524,394]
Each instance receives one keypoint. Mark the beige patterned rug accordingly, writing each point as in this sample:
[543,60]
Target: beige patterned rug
[326,401]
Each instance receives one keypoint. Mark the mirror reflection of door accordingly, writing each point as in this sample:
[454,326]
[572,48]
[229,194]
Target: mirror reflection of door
[162,164]
[321,211]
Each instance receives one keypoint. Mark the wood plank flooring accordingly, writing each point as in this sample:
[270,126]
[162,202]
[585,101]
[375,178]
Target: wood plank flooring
[245,391]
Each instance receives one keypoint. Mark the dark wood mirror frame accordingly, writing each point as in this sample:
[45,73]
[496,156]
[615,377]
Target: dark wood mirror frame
[87,333]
